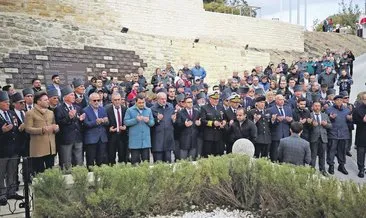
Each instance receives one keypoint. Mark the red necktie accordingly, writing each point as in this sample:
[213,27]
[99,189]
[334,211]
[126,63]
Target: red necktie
[119,118]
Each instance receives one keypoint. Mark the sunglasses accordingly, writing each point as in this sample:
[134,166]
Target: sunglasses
[96,100]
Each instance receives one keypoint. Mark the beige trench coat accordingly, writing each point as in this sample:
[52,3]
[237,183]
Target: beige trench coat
[40,144]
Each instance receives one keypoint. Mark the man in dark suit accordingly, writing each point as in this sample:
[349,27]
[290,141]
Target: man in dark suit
[69,140]
[55,84]
[262,120]
[18,108]
[247,102]
[293,149]
[359,118]
[230,116]
[213,124]
[188,122]
[117,134]
[79,90]
[95,135]
[319,136]
[302,114]
[53,98]
[281,118]
[8,152]
[28,94]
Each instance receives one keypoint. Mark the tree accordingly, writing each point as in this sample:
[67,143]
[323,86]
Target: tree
[237,7]
[348,15]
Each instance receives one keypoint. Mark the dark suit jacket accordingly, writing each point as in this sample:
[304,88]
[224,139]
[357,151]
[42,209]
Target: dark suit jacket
[248,103]
[70,129]
[358,114]
[280,129]
[93,131]
[112,119]
[83,102]
[22,138]
[188,135]
[229,114]
[8,146]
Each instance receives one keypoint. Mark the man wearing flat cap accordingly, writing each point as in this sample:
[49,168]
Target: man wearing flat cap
[338,135]
[351,127]
[53,99]
[69,118]
[79,90]
[213,123]
[28,94]
[330,99]
[262,120]
[40,124]
[22,138]
[9,151]
[247,102]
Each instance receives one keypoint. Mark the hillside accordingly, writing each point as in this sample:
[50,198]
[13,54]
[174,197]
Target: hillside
[315,44]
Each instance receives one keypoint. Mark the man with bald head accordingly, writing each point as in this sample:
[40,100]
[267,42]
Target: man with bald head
[281,118]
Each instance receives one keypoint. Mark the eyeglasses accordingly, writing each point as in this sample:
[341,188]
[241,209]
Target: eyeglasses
[96,100]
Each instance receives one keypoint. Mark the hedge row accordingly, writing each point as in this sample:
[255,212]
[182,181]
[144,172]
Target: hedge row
[238,182]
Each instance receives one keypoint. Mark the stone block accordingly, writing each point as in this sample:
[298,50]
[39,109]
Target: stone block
[109,58]
[136,64]
[10,60]
[113,70]
[14,55]
[100,65]
[42,57]
[89,70]
[11,70]
[29,57]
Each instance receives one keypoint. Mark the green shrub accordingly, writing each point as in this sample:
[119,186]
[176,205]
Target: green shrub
[238,182]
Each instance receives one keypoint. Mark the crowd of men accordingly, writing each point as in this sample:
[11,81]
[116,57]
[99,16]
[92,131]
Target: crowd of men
[291,114]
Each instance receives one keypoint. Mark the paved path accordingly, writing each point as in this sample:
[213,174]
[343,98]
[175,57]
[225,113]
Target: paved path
[359,78]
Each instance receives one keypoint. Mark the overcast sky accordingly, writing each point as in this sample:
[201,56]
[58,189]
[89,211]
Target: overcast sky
[316,9]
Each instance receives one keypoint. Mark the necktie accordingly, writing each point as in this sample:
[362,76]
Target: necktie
[70,108]
[190,114]
[29,107]
[7,118]
[215,108]
[317,118]
[22,116]
[281,111]
[234,111]
[119,118]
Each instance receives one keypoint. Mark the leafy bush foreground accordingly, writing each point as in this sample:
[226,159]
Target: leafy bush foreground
[231,181]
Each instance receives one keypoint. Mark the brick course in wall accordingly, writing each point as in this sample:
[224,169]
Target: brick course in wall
[20,69]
